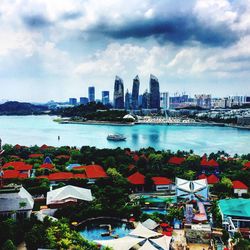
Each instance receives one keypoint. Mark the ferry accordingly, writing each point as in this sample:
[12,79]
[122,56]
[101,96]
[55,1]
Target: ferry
[116,137]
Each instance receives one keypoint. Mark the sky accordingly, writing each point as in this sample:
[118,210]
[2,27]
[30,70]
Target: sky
[55,49]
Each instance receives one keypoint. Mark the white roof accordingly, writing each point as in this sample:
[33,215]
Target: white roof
[142,231]
[191,186]
[163,242]
[150,224]
[147,246]
[68,192]
[124,243]
[128,116]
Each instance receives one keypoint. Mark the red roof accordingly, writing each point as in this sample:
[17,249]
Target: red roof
[239,185]
[137,179]
[95,171]
[210,163]
[202,176]
[212,179]
[60,176]
[161,181]
[63,157]
[35,155]
[176,160]
[80,176]
[18,165]
[42,177]
[131,166]
[247,164]
[44,146]
[47,166]
[12,174]
[136,157]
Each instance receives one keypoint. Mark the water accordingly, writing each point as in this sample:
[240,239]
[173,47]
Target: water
[93,231]
[38,130]
[152,211]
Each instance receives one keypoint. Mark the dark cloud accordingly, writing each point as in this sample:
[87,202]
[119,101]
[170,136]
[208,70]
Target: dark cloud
[175,29]
[71,15]
[36,21]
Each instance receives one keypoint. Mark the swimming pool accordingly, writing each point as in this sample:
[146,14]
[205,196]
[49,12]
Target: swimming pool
[151,211]
[92,230]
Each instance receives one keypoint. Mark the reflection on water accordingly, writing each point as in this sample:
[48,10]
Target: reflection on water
[31,130]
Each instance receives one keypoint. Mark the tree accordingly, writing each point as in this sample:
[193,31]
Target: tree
[8,245]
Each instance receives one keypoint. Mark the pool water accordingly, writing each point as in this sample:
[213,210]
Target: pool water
[151,211]
[92,230]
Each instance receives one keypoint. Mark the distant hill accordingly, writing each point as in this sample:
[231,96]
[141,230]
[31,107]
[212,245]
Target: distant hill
[21,108]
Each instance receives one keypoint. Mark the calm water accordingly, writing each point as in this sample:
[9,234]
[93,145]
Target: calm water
[31,130]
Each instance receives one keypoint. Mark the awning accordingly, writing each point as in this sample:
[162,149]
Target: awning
[141,231]
[163,242]
[147,246]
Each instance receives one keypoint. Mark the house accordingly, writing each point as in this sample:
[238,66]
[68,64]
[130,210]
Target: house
[67,195]
[47,166]
[162,184]
[19,166]
[211,179]
[137,180]
[174,160]
[15,202]
[13,174]
[239,188]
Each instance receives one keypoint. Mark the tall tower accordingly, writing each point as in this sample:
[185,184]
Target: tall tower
[105,97]
[154,92]
[145,100]
[118,93]
[91,94]
[127,101]
[135,92]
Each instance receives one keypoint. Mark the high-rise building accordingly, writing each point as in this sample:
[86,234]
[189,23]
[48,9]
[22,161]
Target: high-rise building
[203,101]
[127,101]
[118,93]
[105,97]
[73,101]
[135,92]
[140,101]
[91,94]
[84,100]
[154,92]
[145,100]
[164,101]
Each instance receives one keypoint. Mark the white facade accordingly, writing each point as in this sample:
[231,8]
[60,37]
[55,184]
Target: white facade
[240,191]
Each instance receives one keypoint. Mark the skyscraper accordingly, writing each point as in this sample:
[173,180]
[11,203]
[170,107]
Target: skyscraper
[105,97]
[135,92]
[118,93]
[72,101]
[145,100]
[154,92]
[164,101]
[127,101]
[91,94]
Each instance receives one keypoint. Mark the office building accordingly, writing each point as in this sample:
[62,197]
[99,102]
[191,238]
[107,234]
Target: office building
[154,92]
[128,100]
[91,94]
[145,100]
[203,101]
[118,93]
[135,92]
[105,97]
[73,101]
[164,104]
[84,100]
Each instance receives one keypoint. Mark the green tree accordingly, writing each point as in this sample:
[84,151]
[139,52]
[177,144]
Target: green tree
[8,245]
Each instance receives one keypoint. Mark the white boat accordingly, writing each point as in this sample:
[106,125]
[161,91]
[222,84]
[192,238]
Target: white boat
[116,137]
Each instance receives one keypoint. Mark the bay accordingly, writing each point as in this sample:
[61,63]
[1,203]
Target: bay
[39,130]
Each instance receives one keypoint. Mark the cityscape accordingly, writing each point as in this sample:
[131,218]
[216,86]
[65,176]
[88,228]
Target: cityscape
[124,125]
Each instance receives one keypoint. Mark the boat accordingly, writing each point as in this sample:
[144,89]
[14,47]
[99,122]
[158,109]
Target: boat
[116,137]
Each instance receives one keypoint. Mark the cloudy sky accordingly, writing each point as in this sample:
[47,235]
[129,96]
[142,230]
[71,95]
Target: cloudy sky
[55,49]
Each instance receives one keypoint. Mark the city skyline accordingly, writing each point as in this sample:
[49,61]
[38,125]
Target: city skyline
[54,50]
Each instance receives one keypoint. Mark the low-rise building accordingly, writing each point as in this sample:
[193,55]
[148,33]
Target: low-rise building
[15,202]
[162,184]
[239,188]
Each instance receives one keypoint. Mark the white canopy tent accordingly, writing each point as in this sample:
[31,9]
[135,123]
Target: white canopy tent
[150,224]
[163,242]
[124,243]
[148,246]
[141,231]
[197,189]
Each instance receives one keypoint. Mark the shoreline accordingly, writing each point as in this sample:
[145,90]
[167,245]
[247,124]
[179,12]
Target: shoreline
[94,122]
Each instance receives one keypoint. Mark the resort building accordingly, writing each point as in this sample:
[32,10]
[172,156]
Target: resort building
[137,180]
[67,195]
[192,190]
[174,160]
[239,188]
[19,166]
[162,184]
[15,202]
[235,213]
